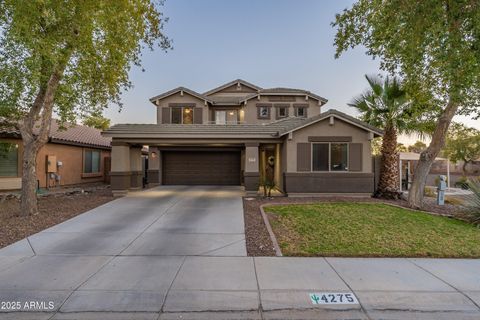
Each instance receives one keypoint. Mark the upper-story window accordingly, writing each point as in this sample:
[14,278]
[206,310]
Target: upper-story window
[263,112]
[182,115]
[301,112]
[282,111]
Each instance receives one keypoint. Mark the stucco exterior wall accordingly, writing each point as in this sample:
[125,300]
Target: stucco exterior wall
[71,171]
[323,128]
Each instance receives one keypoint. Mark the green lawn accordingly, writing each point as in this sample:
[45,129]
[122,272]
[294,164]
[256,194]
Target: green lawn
[368,229]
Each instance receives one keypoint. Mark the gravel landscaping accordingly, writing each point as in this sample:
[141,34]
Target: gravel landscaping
[257,237]
[54,209]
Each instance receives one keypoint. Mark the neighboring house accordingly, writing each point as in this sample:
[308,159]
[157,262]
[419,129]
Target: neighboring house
[441,166]
[225,136]
[74,155]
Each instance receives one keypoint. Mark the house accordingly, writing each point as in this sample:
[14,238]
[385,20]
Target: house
[74,155]
[225,136]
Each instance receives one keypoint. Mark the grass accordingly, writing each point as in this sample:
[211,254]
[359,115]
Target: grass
[372,230]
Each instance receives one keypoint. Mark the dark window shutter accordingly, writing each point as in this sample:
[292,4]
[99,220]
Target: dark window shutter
[165,115]
[197,115]
[355,157]
[304,158]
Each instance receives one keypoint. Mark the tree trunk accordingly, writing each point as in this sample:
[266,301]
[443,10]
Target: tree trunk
[29,204]
[464,167]
[388,181]
[41,111]
[415,194]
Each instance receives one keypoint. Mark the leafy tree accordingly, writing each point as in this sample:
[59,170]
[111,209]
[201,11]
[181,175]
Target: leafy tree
[376,145]
[434,46]
[386,106]
[463,144]
[97,121]
[417,147]
[68,58]
[401,147]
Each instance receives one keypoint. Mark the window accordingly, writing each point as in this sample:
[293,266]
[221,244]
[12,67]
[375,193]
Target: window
[320,157]
[8,159]
[330,157]
[338,156]
[264,112]
[301,111]
[282,112]
[91,161]
[182,115]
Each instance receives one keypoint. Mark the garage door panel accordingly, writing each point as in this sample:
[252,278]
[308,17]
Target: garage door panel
[201,168]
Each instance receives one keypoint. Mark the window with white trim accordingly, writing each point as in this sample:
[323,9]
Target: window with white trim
[264,112]
[331,156]
[301,112]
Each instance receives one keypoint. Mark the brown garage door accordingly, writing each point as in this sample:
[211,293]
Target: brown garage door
[201,167]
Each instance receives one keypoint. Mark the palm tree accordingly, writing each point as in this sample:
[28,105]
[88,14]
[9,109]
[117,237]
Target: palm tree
[386,105]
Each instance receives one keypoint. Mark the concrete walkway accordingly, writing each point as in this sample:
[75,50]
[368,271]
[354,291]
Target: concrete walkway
[179,253]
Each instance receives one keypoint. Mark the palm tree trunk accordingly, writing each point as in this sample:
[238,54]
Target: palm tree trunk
[417,189]
[388,181]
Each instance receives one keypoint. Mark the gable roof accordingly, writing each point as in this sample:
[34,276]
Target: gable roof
[71,134]
[180,89]
[200,131]
[299,123]
[237,100]
[231,83]
[285,91]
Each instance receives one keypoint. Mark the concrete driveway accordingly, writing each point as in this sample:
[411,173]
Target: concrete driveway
[179,253]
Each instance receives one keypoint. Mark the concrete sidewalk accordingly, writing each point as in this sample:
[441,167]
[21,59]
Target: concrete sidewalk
[161,254]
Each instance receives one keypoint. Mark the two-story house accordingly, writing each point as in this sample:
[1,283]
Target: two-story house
[228,135]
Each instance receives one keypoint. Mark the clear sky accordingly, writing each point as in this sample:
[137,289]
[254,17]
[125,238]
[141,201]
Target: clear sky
[271,43]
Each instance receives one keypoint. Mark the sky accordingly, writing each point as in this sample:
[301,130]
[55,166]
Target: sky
[270,43]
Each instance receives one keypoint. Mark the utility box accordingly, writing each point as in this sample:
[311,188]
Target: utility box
[442,186]
[51,163]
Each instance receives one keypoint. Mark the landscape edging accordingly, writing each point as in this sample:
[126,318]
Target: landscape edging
[276,247]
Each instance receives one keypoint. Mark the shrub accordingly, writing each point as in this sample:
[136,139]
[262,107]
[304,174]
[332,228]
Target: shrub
[473,200]
[429,192]
[462,183]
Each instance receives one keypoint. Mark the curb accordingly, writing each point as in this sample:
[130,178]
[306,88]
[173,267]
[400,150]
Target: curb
[278,252]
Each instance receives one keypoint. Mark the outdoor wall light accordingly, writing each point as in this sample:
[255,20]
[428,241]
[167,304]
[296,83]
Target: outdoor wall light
[154,155]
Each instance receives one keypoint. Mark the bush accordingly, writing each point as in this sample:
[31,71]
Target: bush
[429,192]
[462,183]
[473,200]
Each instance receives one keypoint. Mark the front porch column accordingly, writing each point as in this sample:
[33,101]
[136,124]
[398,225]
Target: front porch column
[251,175]
[120,169]
[136,167]
[278,168]
[153,166]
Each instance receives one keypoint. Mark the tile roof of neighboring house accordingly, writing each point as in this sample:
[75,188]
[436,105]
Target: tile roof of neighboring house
[238,100]
[71,134]
[228,84]
[275,129]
